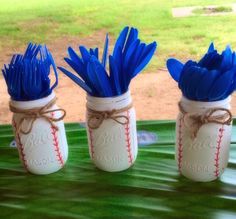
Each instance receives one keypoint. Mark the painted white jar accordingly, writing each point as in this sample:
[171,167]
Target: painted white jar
[202,157]
[113,144]
[44,149]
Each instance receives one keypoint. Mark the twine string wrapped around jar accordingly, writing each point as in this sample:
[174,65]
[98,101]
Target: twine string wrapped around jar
[96,118]
[198,120]
[33,114]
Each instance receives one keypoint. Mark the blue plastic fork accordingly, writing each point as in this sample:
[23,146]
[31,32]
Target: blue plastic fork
[13,77]
[32,82]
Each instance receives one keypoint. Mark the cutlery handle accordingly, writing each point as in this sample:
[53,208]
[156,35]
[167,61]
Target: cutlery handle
[55,72]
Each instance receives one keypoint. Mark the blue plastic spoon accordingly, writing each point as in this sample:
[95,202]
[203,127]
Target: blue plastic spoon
[175,68]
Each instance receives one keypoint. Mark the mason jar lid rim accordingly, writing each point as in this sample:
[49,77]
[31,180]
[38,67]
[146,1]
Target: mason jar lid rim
[33,102]
[108,99]
[194,102]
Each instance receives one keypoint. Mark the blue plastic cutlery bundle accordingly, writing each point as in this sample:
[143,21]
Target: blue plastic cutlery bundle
[129,57]
[27,76]
[212,78]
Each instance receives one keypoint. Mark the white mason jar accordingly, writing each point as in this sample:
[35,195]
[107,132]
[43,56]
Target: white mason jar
[113,143]
[44,149]
[202,157]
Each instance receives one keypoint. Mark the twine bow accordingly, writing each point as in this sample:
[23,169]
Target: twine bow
[198,120]
[96,118]
[33,114]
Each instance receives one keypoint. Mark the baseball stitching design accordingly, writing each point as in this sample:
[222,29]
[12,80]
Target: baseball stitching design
[217,154]
[20,147]
[127,139]
[56,144]
[180,144]
[91,142]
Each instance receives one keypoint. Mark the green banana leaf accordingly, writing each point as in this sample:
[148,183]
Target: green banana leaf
[152,188]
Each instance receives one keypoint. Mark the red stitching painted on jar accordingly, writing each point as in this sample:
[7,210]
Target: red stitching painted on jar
[180,144]
[127,139]
[56,144]
[217,154]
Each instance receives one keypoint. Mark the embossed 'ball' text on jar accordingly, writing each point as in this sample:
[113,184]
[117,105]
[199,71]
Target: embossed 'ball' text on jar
[111,131]
[203,135]
[40,134]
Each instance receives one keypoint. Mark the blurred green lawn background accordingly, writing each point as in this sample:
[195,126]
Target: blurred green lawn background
[42,21]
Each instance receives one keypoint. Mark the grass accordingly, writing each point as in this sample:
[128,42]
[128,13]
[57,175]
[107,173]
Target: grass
[46,20]
[222,9]
[210,10]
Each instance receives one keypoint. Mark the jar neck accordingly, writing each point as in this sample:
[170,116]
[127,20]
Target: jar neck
[32,103]
[199,106]
[109,103]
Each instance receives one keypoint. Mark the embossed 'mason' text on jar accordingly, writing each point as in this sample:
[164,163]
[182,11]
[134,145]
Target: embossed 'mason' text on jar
[111,131]
[203,135]
[195,144]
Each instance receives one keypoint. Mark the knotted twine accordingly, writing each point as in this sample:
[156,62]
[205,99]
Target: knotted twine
[96,118]
[198,120]
[35,113]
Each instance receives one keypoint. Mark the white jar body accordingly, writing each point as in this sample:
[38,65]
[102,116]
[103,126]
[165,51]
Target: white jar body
[113,146]
[204,157]
[44,150]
